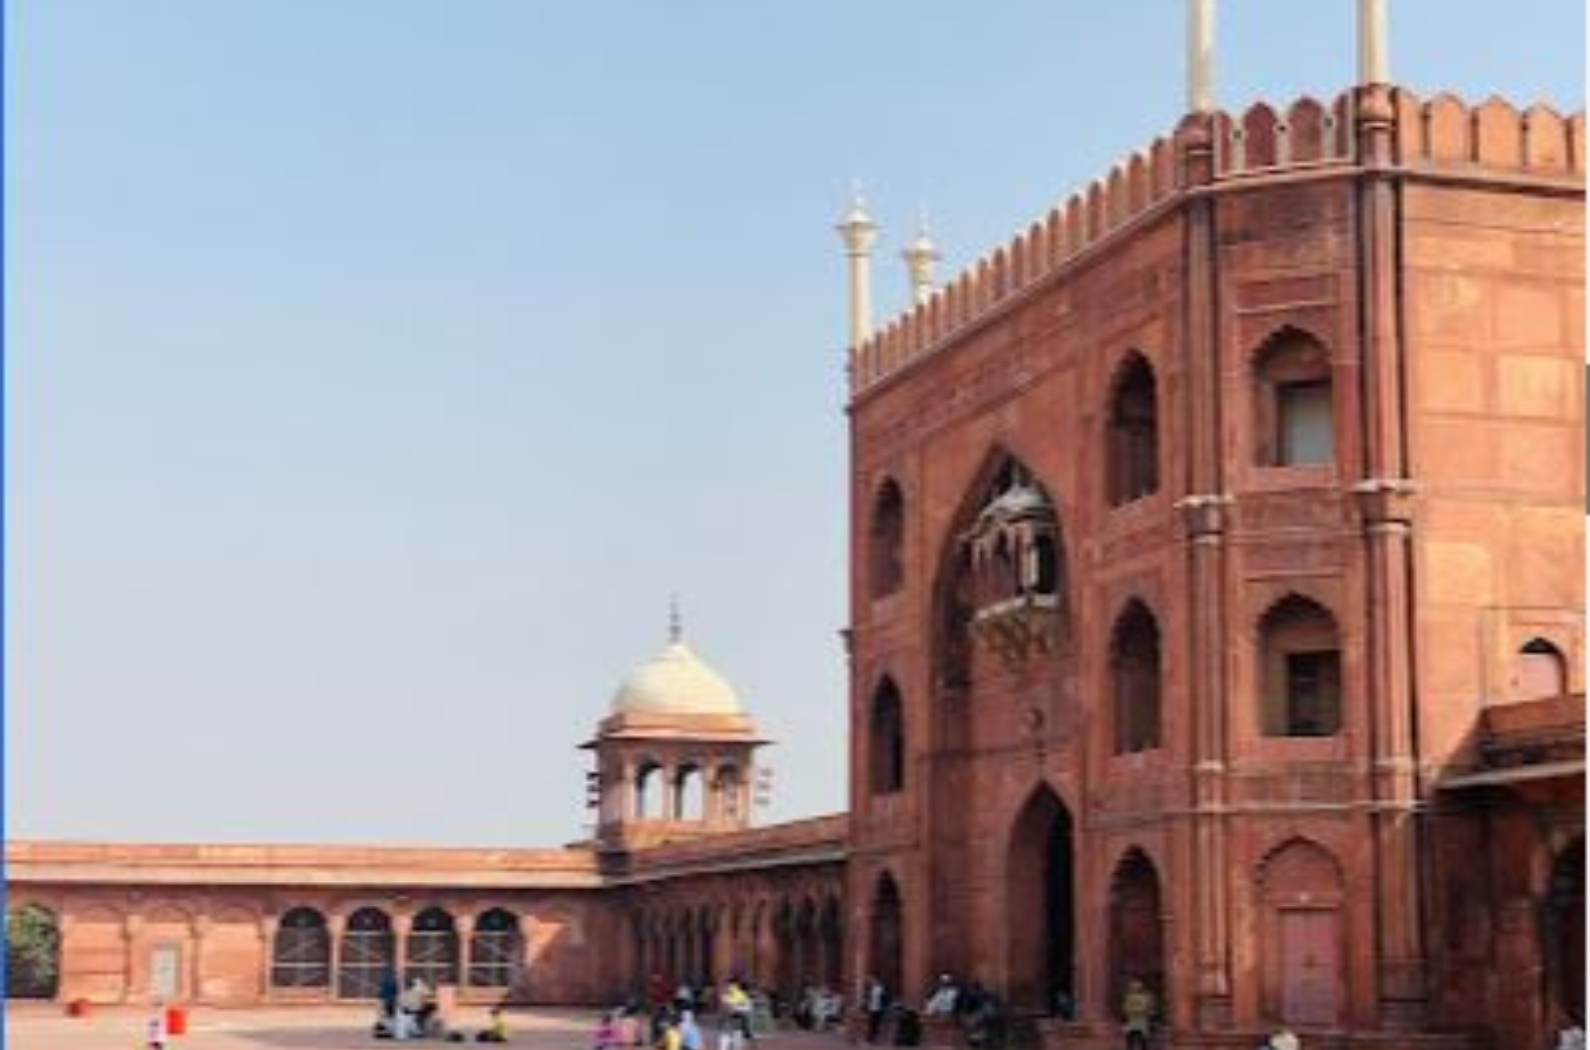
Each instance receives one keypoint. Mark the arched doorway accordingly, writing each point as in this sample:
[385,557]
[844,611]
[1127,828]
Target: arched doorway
[1137,927]
[1040,907]
[886,937]
[33,953]
[1301,934]
[1564,934]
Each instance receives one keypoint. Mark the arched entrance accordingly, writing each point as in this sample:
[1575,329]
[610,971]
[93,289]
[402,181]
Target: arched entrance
[1564,934]
[1137,928]
[1301,933]
[1041,909]
[33,953]
[886,940]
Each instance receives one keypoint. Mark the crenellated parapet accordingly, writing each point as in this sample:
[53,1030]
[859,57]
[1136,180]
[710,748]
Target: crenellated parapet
[1441,134]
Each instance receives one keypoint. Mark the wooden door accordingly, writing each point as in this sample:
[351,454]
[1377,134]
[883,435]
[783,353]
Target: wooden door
[1310,967]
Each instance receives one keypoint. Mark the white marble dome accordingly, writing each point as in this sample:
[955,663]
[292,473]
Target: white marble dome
[676,682]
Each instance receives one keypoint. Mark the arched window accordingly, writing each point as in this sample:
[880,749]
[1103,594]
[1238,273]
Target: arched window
[1135,678]
[647,804]
[368,954]
[433,948]
[1538,671]
[886,741]
[495,948]
[33,953]
[1300,653]
[1293,413]
[689,793]
[1132,451]
[886,540]
[301,957]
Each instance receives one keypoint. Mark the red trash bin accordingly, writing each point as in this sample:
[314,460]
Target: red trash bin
[77,1008]
[176,1021]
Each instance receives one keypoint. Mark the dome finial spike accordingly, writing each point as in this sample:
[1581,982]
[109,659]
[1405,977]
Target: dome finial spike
[676,629]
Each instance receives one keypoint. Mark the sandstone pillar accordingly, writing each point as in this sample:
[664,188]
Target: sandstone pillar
[1204,510]
[401,925]
[1200,56]
[1374,46]
[1386,511]
[336,928]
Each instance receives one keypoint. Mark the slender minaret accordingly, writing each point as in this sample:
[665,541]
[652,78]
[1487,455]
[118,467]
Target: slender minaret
[1374,48]
[859,232]
[1200,56]
[919,259]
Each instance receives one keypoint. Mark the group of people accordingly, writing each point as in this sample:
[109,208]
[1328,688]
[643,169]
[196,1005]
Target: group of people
[669,1020]
[413,1012]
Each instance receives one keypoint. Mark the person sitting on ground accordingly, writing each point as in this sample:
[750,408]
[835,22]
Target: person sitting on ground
[606,1037]
[689,1031]
[1285,1039]
[496,1030]
[670,1039]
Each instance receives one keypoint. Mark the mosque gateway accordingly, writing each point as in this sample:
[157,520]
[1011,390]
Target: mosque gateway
[1216,624]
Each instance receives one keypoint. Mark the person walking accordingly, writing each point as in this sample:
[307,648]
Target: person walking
[875,1001]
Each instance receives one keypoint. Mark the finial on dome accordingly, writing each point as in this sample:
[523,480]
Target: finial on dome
[676,629]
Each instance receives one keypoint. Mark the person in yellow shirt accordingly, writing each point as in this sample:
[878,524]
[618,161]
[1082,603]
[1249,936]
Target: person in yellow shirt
[671,1039]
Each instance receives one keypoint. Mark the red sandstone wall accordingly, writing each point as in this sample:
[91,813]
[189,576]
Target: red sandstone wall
[574,941]
[1462,373]
[1496,359]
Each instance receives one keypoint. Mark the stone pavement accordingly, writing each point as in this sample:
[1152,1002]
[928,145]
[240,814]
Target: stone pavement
[309,1028]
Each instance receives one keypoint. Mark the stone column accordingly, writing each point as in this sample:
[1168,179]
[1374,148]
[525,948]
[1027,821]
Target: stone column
[137,964]
[1204,516]
[336,929]
[1385,499]
[200,927]
[1200,56]
[464,923]
[1374,44]
[401,925]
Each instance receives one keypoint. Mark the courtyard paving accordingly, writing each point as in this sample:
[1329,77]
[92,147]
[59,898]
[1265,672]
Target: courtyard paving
[317,1028]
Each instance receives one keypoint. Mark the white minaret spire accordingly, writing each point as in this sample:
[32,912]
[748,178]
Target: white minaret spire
[1374,46]
[859,232]
[1200,56]
[919,259]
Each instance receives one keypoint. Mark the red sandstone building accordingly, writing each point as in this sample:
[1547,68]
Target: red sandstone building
[1217,621]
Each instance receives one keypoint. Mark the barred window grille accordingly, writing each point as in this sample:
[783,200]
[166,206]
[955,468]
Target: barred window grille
[368,953]
[302,954]
[433,948]
[495,949]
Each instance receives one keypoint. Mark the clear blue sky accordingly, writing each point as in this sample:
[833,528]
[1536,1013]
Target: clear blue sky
[376,369]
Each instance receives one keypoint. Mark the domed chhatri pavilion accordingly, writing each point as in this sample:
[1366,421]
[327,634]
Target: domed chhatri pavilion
[1216,622]
[674,755]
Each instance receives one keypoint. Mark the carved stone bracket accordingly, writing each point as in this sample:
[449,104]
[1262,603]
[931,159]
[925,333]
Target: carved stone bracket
[1385,502]
[1019,629]
[1204,514]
